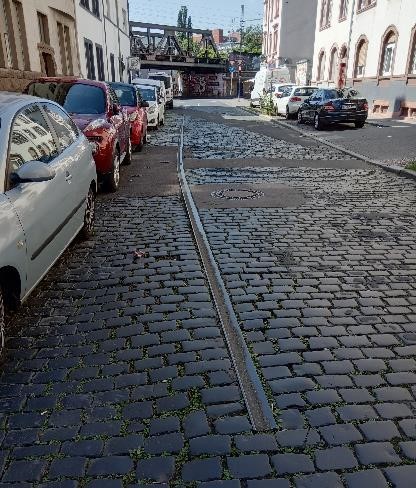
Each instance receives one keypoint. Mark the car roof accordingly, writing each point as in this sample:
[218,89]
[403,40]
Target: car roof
[11,102]
[142,85]
[118,83]
[69,79]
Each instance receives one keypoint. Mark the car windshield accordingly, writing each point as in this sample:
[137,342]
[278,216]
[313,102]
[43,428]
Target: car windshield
[126,94]
[76,98]
[165,80]
[148,94]
[305,91]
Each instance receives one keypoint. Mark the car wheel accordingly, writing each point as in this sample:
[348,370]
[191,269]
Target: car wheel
[87,230]
[113,180]
[127,157]
[359,125]
[300,117]
[287,115]
[317,122]
[2,323]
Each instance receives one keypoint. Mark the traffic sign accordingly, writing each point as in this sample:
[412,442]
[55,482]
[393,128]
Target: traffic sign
[231,69]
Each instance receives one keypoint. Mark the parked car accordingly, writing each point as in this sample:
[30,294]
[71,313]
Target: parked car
[156,110]
[277,91]
[48,184]
[132,101]
[160,85]
[264,81]
[168,81]
[292,98]
[96,110]
[329,105]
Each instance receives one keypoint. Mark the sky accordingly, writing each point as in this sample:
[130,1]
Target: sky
[206,14]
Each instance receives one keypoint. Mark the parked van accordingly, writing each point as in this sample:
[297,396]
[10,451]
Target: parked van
[264,81]
[160,85]
[168,81]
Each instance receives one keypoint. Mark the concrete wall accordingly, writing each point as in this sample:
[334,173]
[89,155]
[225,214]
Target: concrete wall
[392,95]
[21,56]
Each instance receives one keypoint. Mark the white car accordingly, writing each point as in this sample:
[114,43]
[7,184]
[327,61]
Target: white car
[168,81]
[277,91]
[156,109]
[48,184]
[291,99]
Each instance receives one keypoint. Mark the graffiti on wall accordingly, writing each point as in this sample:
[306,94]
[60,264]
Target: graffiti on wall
[203,85]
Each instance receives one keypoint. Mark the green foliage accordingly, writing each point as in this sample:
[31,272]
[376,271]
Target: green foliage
[411,166]
[266,105]
[184,22]
[252,39]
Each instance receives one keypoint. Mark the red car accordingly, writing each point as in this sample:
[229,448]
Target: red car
[97,111]
[132,101]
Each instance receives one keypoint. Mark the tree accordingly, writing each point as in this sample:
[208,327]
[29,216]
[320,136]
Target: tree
[189,24]
[252,39]
[183,21]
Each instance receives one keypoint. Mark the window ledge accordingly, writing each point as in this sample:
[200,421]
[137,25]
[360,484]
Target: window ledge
[368,7]
[323,27]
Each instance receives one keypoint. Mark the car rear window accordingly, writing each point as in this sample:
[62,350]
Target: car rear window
[305,92]
[148,94]
[126,94]
[76,98]
[352,93]
[330,94]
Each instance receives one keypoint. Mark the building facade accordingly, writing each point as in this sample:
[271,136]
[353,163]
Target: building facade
[371,45]
[103,39]
[288,31]
[37,38]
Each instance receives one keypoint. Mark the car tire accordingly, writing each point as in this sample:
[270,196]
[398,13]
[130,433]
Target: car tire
[317,122]
[113,179]
[288,116]
[2,323]
[300,117]
[162,122]
[359,125]
[87,230]
[127,158]
[139,147]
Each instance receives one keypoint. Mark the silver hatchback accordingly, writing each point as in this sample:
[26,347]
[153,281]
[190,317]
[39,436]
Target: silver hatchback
[47,192]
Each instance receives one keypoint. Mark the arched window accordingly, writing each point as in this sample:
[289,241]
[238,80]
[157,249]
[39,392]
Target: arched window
[412,59]
[321,66]
[326,8]
[388,51]
[333,64]
[361,57]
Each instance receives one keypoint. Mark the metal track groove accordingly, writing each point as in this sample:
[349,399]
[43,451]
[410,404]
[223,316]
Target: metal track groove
[258,406]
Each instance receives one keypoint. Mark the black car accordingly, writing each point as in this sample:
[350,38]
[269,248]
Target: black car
[329,106]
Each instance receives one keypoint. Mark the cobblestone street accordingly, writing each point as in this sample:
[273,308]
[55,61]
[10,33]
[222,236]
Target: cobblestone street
[118,372]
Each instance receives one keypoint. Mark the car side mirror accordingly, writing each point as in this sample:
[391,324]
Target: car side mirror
[145,104]
[115,109]
[32,172]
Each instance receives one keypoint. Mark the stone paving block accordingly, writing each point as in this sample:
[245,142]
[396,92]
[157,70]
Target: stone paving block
[401,476]
[73,467]
[232,425]
[369,477]
[292,463]
[213,444]
[376,453]
[320,416]
[110,465]
[20,471]
[298,437]
[339,434]
[319,480]
[221,484]
[202,470]
[257,442]
[159,469]
[335,458]
[409,449]
[171,443]
[379,431]
[123,445]
[249,466]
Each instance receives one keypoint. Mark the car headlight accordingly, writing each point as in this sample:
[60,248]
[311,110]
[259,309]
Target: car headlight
[95,124]
[133,116]
[152,109]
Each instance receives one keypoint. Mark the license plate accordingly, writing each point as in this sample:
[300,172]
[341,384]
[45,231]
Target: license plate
[348,107]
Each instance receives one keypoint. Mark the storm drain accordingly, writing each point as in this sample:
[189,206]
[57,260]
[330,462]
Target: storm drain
[237,194]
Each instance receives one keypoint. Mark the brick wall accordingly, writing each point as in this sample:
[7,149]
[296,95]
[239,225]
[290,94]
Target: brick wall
[15,80]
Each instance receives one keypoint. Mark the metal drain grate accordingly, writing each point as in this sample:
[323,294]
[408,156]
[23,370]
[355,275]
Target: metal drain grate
[237,194]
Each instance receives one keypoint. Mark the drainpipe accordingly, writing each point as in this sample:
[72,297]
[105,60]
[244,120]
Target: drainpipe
[349,40]
[105,39]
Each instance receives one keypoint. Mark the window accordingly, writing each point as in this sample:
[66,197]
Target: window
[125,20]
[126,94]
[361,58]
[65,128]
[412,61]
[20,38]
[43,28]
[364,4]
[65,49]
[388,53]
[321,66]
[343,10]
[304,92]
[89,58]
[85,3]
[23,149]
[108,9]
[326,10]
[333,64]
[100,62]
[113,69]
[96,8]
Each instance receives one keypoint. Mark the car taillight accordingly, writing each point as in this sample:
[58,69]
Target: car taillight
[278,95]
[295,99]
[329,107]
[365,106]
